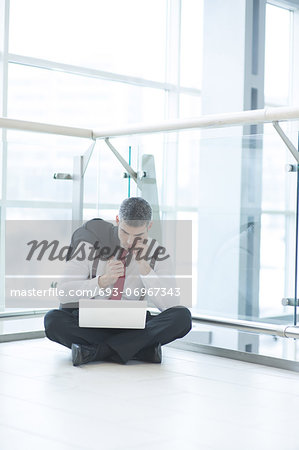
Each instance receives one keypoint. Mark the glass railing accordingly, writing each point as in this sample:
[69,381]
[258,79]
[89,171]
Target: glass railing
[238,190]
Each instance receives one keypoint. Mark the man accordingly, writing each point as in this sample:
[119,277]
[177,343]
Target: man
[119,345]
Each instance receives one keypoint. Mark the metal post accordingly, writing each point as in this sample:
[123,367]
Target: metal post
[149,191]
[129,178]
[78,187]
[296,246]
[80,165]
[251,184]
[4,27]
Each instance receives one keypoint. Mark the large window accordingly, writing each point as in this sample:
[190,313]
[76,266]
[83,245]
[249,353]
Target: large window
[278,55]
[127,37]
[95,64]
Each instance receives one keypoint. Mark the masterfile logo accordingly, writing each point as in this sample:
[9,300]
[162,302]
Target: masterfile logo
[54,252]
[37,254]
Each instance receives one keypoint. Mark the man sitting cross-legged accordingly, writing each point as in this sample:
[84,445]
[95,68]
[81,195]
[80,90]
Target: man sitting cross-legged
[130,275]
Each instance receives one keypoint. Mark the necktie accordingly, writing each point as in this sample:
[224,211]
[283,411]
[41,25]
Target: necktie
[118,286]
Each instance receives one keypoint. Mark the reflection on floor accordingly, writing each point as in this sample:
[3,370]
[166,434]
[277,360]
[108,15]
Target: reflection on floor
[190,401]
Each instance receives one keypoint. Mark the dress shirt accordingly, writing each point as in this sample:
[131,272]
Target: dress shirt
[159,282]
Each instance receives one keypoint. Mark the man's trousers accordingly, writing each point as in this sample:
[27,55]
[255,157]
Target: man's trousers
[61,326]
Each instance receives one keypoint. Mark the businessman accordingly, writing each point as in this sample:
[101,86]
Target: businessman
[108,276]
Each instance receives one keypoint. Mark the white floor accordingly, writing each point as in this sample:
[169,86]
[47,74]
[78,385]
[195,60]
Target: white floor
[190,401]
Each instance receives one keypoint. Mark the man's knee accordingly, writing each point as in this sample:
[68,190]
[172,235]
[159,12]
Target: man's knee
[52,322]
[183,317]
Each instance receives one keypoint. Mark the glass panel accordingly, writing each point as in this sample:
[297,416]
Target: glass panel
[126,37]
[244,227]
[277,55]
[188,169]
[193,216]
[104,179]
[275,177]
[244,213]
[273,284]
[241,201]
[56,97]
[112,186]
[31,164]
[191,43]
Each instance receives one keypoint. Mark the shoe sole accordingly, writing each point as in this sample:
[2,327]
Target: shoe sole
[75,356]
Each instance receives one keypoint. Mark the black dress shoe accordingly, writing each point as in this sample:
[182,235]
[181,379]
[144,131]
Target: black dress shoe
[150,354]
[82,354]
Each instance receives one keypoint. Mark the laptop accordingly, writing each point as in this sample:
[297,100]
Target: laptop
[112,313]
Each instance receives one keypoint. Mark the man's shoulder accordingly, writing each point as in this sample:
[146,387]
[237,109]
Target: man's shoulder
[97,231]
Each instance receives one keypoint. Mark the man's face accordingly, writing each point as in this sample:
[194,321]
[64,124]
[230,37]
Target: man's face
[128,234]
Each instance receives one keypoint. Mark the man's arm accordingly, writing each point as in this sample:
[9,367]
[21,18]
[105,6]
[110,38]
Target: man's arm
[75,283]
[161,287]
[159,281]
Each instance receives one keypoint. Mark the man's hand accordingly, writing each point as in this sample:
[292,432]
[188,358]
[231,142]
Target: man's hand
[114,270]
[139,251]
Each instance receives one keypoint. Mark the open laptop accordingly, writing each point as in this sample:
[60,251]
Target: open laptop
[112,313]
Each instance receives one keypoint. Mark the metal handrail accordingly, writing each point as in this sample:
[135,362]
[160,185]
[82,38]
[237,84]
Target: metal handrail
[288,331]
[257,116]
[24,125]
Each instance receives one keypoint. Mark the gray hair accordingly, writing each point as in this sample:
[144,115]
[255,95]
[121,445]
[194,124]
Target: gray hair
[135,211]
